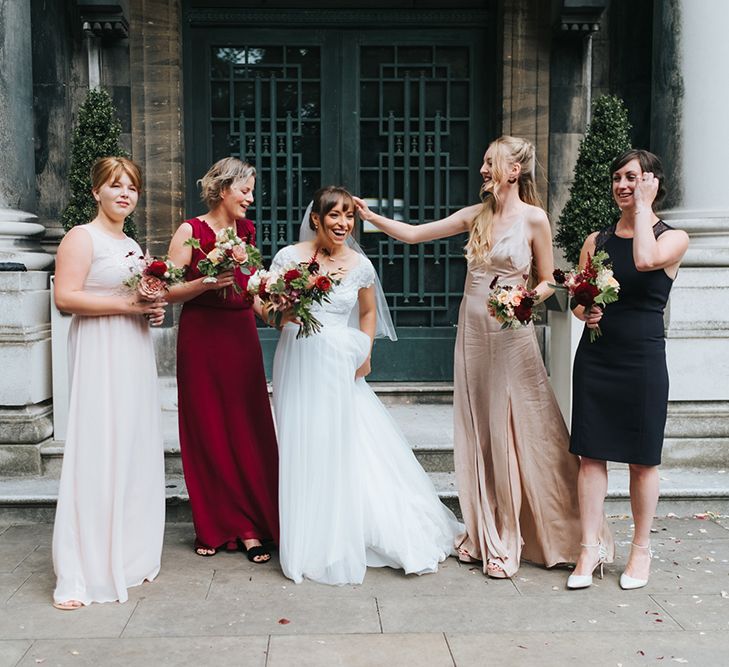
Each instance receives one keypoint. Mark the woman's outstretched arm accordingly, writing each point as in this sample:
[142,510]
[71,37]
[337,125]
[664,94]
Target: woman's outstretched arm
[457,223]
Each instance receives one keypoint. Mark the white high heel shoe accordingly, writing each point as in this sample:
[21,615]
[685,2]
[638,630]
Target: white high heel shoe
[585,580]
[628,583]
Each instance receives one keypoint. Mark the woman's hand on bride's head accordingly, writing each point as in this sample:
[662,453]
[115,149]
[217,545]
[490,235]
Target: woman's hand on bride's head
[364,211]
[364,370]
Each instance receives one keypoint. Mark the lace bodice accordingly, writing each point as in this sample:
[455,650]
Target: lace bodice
[343,297]
[114,261]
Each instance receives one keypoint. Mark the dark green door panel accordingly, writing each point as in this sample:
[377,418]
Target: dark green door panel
[398,115]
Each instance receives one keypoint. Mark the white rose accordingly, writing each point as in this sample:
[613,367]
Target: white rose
[603,279]
[254,282]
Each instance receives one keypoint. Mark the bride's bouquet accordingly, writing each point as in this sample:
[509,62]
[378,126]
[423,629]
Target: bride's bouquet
[152,277]
[296,288]
[594,285]
[512,305]
[227,253]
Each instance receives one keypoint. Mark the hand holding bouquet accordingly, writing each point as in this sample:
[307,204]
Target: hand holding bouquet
[594,285]
[153,277]
[295,289]
[228,253]
[512,305]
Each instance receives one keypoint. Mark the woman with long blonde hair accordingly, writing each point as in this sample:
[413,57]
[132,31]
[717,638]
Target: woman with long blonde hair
[517,482]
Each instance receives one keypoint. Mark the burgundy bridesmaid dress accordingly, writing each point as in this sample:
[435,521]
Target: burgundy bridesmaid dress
[227,437]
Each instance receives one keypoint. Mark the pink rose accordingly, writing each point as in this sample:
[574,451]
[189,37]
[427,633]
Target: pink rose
[151,288]
[239,254]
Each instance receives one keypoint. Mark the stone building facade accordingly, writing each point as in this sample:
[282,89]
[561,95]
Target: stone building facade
[186,77]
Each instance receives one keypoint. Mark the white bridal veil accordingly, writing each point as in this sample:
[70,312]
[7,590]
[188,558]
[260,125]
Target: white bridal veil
[385,327]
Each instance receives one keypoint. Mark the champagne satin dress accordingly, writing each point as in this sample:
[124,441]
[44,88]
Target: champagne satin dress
[517,481]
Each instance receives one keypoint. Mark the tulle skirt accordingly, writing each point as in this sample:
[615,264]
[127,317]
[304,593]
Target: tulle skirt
[351,492]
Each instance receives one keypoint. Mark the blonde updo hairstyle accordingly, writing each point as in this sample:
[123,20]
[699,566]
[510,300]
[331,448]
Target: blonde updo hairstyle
[220,177]
[507,151]
[109,169]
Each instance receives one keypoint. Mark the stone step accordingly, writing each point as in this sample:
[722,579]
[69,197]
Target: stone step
[685,492]
[390,393]
[428,427]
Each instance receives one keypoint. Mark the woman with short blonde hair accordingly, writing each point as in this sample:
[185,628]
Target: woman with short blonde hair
[227,438]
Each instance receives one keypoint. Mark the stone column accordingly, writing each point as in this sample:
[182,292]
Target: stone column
[690,133]
[25,340]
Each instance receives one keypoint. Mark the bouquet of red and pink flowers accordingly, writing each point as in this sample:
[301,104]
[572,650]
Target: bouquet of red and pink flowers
[296,287]
[153,277]
[594,285]
[512,305]
[227,253]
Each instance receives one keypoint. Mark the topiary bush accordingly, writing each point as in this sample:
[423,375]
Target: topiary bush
[96,135]
[590,206]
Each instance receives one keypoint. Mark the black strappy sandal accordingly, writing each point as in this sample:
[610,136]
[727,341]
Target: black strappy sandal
[201,548]
[255,552]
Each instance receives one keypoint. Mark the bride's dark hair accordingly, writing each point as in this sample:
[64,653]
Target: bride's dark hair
[325,199]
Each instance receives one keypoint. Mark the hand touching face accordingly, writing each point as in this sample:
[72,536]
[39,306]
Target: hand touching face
[633,187]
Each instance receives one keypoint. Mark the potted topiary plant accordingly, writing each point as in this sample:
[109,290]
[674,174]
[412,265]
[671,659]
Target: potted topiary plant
[96,135]
[590,206]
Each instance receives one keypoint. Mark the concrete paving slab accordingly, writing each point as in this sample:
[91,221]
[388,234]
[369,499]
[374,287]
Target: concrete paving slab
[12,555]
[255,616]
[451,579]
[245,601]
[12,651]
[172,652]
[577,613]
[596,649]
[40,558]
[372,650]
[35,534]
[42,621]
[699,611]
[10,582]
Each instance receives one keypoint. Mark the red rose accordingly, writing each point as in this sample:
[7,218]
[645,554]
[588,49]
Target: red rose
[585,294]
[262,287]
[157,268]
[323,283]
[559,276]
[292,274]
[523,312]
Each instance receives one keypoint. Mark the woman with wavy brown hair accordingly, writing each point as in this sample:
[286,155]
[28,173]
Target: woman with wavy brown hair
[516,480]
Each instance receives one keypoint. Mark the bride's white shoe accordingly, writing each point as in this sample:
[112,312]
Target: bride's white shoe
[628,583]
[585,580]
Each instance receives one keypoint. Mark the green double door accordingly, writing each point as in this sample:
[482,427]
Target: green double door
[399,114]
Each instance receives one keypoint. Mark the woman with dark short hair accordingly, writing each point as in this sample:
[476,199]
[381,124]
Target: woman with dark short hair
[620,383]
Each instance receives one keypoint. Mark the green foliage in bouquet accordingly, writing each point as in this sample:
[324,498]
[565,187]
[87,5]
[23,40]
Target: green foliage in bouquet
[591,206]
[96,135]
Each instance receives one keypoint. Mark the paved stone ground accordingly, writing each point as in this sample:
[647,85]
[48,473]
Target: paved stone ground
[225,610]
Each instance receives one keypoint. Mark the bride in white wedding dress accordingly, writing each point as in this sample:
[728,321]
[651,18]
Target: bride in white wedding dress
[351,492]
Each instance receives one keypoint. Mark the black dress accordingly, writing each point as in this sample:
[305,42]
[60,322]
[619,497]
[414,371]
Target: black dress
[620,382]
